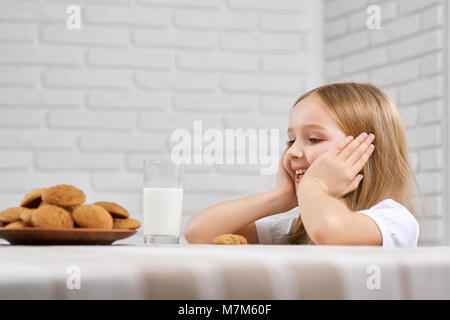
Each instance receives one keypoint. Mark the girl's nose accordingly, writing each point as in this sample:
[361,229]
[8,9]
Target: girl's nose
[294,152]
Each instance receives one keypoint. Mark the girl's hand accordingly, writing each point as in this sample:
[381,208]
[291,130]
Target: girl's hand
[336,170]
[285,185]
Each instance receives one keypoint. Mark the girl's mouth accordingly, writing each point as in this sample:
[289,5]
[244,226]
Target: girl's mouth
[298,177]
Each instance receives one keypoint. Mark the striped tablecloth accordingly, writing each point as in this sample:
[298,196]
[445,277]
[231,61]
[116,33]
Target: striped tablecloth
[223,272]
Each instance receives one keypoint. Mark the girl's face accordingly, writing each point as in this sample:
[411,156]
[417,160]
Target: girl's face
[311,132]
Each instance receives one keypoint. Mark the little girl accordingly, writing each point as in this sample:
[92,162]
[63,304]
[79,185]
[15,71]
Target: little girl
[345,166]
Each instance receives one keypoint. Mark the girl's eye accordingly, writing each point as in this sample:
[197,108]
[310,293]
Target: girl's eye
[314,140]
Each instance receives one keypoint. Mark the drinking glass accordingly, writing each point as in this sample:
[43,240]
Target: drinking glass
[162,200]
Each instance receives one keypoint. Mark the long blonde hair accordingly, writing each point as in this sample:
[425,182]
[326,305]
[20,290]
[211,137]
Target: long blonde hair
[362,107]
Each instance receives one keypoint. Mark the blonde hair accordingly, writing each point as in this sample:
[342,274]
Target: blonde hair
[362,107]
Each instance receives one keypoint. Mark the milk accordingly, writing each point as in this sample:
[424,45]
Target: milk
[162,211]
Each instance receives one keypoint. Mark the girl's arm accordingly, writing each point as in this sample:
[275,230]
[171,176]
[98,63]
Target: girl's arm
[336,224]
[238,216]
[233,216]
[333,175]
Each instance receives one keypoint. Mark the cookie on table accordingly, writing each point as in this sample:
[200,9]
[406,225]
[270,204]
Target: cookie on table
[63,195]
[25,216]
[15,224]
[92,216]
[126,224]
[11,214]
[50,216]
[114,209]
[32,199]
[230,238]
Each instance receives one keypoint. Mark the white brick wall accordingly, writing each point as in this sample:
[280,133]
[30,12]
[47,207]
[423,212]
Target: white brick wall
[86,106]
[406,58]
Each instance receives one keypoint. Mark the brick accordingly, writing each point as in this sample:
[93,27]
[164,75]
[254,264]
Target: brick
[90,120]
[430,182]
[408,6]
[23,182]
[431,230]
[336,28]
[164,121]
[205,4]
[333,68]
[215,102]
[134,16]
[267,84]
[433,17]
[63,78]
[431,159]
[128,100]
[431,111]
[431,64]
[18,77]
[174,38]
[397,29]
[87,35]
[33,55]
[217,61]
[433,206]
[257,122]
[409,116]
[122,142]
[13,160]
[74,161]
[341,7]
[127,58]
[287,63]
[12,97]
[33,12]
[424,136]
[126,182]
[278,104]
[36,139]
[365,60]
[287,6]
[287,24]
[214,20]
[395,73]
[17,118]
[17,33]
[179,81]
[261,43]
[350,43]
[419,45]
[419,90]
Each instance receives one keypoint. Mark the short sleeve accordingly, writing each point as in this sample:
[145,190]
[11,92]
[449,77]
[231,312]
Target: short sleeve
[398,226]
[276,229]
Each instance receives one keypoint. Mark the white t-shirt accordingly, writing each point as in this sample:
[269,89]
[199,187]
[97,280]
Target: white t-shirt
[398,226]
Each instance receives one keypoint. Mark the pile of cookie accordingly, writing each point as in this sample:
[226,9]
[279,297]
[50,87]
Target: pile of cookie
[62,206]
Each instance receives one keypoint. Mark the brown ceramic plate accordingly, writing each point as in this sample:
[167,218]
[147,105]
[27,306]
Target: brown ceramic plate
[46,236]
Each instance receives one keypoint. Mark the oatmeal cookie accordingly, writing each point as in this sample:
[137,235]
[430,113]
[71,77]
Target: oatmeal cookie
[230,238]
[51,216]
[92,216]
[63,195]
[114,209]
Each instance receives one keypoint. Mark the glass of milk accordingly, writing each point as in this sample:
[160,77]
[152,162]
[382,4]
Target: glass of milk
[162,200]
